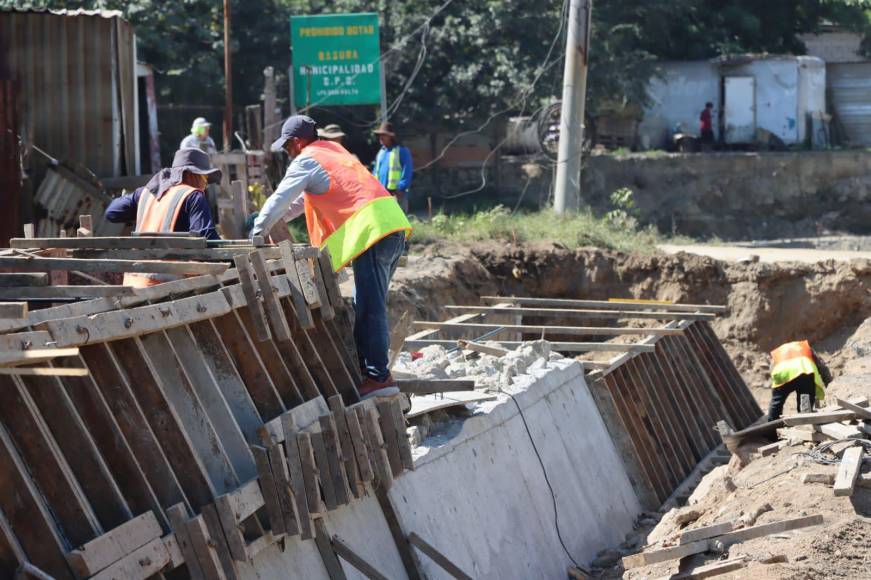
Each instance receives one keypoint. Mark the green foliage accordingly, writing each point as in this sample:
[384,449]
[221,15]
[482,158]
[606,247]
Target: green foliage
[572,230]
[625,212]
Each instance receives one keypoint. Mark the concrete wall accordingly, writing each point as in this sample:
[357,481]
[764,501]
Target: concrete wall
[740,195]
[479,495]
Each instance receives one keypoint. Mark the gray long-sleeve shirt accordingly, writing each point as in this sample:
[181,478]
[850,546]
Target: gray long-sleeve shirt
[304,175]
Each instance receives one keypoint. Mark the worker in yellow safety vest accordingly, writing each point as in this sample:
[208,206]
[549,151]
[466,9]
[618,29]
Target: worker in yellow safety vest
[795,367]
[174,200]
[393,165]
[349,212]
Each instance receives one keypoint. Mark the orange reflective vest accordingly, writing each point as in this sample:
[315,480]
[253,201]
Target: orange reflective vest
[355,213]
[157,215]
[793,359]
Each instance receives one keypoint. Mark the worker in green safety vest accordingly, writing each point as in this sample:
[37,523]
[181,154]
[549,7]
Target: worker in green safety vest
[393,166]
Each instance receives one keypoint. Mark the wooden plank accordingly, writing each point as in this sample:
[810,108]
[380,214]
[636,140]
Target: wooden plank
[110,243]
[268,489]
[403,546]
[178,516]
[323,297]
[351,557]
[860,411]
[839,431]
[405,455]
[307,281]
[333,449]
[848,471]
[36,355]
[818,418]
[30,264]
[25,512]
[255,308]
[557,346]
[13,309]
[221,254]
[36,340]
[761,530]
[331,562]
[11,553]
[330,281]
[705,532]
[232,530]
[423,404]
[62,292]
[358,441]
[711,570]
[583,313]
[43,371]
[388,433]
[430,386]
[482,348]
[143,563]
[297,483]
[23,279]
[309,473]
[674,553]
[213,524]
[771,448]
[324,471]
[300,306]
[274,312]
[114,545]
[354,480]
[437,557]
[205,549]
[168,430]
[286,499]
[375,441]
[167,290]
[546,329]
[297,419]
[626,304]
[135,321]
[328,350]
[824,478]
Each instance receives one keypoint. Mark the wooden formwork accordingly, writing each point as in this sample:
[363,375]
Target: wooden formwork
[660,399]
[216,415]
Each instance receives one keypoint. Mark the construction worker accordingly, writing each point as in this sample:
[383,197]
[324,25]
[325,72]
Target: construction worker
[332,133]
[172,201]
[199,137]
[350,213]
[795,367]
[393,166]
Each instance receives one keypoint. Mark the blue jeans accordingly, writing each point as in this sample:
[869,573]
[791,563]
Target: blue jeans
[373,270]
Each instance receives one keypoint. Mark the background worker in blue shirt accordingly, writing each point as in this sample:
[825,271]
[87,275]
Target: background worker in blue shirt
[393,166]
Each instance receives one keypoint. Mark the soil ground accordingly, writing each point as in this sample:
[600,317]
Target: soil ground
[768,304]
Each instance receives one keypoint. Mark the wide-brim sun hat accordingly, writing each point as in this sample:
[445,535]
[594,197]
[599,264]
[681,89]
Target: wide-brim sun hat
[191,159]
[385,129]
[331,132]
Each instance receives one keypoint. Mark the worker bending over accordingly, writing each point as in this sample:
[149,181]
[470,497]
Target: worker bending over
[795,367]
[349,212]
[172,201]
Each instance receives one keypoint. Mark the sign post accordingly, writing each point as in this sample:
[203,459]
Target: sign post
[336,60]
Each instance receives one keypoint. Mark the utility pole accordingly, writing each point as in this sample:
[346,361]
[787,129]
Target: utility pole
[567,191]
[228,82]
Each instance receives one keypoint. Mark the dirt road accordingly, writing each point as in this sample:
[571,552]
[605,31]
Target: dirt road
[767,255]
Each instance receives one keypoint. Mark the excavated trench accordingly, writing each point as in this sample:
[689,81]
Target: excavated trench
[767,303]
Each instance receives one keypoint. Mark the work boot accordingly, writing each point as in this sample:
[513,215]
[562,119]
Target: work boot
[374,388]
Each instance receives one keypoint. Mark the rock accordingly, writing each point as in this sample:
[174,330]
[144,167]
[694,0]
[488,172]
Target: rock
[606,558]
[750,517]
[687,516]
[647,522]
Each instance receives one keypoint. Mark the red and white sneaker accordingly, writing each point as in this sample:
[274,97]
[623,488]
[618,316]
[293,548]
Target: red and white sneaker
[372,388]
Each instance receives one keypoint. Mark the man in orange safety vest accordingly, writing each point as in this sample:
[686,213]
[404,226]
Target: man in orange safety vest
[795,367]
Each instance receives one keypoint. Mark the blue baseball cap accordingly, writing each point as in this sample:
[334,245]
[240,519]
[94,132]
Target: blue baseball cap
[301,126]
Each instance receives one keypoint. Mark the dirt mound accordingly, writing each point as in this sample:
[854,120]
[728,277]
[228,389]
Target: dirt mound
[768,303]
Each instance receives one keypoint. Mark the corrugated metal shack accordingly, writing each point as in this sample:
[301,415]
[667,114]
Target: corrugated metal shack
[72,76]
[76,76]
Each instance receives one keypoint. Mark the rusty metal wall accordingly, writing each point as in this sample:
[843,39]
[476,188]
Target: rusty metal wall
[10,175]
[76,84]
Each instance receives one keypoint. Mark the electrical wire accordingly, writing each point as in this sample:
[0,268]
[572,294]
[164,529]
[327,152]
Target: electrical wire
[546,480]
[819,454]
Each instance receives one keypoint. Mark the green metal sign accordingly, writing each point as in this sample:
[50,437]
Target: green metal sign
[335,59]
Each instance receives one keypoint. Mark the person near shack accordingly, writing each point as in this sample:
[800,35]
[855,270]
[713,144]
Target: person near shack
[393,165]
[795,367]
[350,213]
[199,137]
[172,201]
[706,124]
